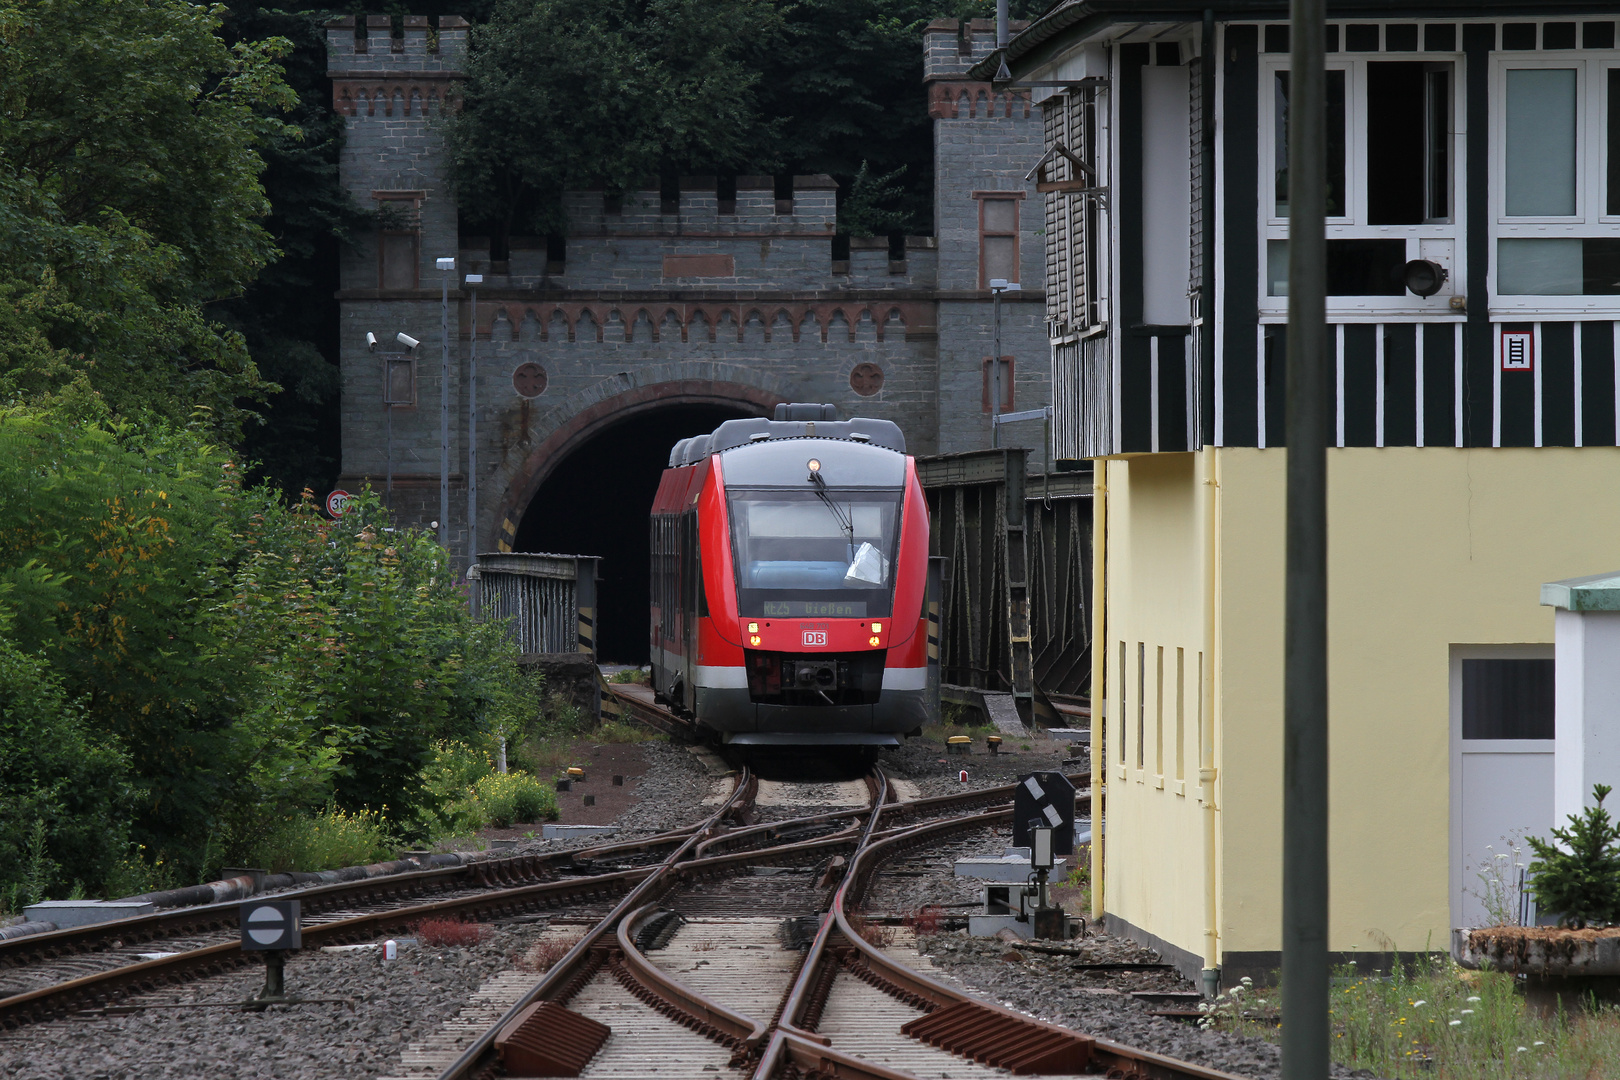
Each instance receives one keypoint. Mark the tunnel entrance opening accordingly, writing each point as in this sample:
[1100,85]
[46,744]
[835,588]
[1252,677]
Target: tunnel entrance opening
[597,500]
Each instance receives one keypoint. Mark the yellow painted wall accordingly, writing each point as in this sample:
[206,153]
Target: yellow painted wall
[1428,548]
[1155,602]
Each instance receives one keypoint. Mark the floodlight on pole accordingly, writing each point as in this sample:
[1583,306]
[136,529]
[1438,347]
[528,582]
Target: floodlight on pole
[448,266]
[472,283]
[997,287]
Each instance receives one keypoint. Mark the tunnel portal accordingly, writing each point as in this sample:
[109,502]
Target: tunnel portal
[596,501]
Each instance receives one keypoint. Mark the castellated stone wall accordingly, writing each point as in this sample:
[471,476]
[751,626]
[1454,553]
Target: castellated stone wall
[985,141]
[698,299]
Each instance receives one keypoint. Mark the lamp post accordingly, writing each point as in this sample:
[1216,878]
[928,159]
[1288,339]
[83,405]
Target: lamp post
[473,281]
[997,287]
[448,266]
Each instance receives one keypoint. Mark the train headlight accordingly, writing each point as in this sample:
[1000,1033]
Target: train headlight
[754,640]
[871,641]
[753,628]
[815,466]
[877,628]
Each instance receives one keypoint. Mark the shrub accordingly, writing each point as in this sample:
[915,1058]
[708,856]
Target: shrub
[925,920]
[453,807]
[327,840]
[450,932]
[1582,884]
[65,793]
[515,796]
[543,955]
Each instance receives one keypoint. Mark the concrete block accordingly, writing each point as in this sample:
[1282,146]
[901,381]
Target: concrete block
[991,925]
[575,832]
[1071,735]
[1012,868]
[67,913]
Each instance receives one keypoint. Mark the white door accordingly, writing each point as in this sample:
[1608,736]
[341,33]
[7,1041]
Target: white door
[1501,772]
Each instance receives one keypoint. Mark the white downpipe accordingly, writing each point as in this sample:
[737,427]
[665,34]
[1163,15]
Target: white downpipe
[1206,764]
[1099,676]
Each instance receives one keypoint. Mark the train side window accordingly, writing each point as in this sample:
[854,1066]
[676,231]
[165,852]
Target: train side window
[698,583]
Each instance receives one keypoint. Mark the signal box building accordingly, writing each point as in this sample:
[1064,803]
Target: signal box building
[1474,267]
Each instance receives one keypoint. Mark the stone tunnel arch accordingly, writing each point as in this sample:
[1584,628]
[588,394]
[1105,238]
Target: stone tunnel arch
[587,487]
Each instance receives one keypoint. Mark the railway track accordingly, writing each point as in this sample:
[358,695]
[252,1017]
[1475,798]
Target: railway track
[716,994]
[686,966]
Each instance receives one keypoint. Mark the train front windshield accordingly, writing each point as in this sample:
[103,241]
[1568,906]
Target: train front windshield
[815,554]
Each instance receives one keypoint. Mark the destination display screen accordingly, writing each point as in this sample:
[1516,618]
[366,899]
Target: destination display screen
[815,609]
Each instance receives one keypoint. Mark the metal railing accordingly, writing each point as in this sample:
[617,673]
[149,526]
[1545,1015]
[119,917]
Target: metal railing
[547,601]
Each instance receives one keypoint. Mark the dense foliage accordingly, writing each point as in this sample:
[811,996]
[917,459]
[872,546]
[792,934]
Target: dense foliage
[198,658]
[575,94]
[129,200]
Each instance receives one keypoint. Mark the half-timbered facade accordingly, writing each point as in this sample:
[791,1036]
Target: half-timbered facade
[1474,276]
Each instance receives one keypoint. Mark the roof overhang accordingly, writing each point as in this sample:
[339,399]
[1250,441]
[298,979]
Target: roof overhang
[1073,22]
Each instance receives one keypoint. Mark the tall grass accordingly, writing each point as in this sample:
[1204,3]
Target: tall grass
[1438,1020]
[1444,1021]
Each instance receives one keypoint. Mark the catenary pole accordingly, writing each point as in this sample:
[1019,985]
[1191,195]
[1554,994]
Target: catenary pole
[1305,1032]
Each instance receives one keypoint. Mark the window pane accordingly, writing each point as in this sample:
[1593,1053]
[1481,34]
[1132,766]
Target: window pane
[1367,267]
[1335,143]
[999,258]
[999,216]
[1396,147]
[398,260]
[1541,142]
[1600,265]
[1438,139]
[1613,143]
[1276,268]
[1539,267]
[1507,699]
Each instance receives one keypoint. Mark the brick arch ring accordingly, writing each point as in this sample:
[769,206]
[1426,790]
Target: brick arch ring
[589,422]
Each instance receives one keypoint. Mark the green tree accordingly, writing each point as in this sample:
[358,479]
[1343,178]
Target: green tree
[1578,876]
[288,316]
[578,94]
[129,199]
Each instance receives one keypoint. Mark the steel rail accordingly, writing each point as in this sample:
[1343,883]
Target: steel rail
[1114,1058]
[97,988]
[205,918]
[50,1001]
[742,1032]
[576,964]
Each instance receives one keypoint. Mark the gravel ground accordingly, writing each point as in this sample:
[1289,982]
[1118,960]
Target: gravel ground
[384,1007]
[926,764]
[1047,987]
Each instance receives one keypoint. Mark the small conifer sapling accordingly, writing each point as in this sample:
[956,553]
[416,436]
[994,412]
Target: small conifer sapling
[1579,875]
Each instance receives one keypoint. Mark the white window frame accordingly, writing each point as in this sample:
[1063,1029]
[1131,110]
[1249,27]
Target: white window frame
[1591,180]
[1436,308]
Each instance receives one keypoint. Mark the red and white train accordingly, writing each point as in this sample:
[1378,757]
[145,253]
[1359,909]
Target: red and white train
[789,581]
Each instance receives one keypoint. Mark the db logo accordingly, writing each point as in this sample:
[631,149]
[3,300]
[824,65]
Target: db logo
[815,639]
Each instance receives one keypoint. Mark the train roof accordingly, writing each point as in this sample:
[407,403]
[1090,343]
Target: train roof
[792,421]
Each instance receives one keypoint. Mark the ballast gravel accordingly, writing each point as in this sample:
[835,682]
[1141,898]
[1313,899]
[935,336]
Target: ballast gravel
[382,1006]
[1050,988]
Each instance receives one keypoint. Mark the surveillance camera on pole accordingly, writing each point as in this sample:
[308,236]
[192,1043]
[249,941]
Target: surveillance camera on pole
[371,341]
[406,340]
